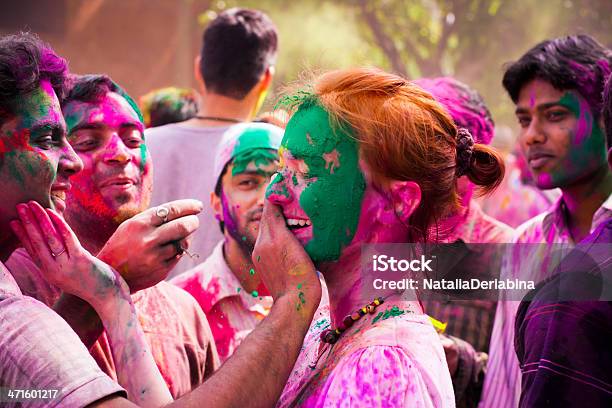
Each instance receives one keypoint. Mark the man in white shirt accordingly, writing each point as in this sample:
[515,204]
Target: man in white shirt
[234,71]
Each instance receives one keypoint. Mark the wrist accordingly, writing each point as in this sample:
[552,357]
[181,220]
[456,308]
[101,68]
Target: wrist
[297,308]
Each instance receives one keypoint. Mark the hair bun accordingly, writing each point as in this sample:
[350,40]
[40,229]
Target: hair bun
[465,148]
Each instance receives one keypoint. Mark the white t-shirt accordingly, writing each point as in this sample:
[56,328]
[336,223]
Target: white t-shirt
[183,162]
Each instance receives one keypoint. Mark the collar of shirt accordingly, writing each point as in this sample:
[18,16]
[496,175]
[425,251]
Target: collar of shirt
[219,282]
[554,225]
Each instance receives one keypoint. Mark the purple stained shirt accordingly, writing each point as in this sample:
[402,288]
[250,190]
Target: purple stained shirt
[563,347]
[392,361]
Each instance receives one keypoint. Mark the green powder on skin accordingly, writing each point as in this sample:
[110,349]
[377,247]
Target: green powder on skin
[587,140]
[254,293]
[333,199]
[252,271]
[259,157]
[143,157]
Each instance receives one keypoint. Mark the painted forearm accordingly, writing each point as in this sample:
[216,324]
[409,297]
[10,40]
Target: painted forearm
[81,317]
[136,369]
[256,373]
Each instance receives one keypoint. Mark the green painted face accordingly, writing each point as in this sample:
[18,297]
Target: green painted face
[319,183]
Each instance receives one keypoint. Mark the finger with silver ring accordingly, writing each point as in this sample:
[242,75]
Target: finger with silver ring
[162,212]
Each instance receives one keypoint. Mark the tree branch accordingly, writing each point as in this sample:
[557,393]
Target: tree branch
[383,40]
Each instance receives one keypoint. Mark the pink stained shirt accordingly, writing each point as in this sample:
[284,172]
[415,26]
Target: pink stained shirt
[38,350]
[174,326]
[232,312]
[502,386]
[393,361]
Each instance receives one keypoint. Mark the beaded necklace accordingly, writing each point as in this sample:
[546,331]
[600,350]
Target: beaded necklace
[331,336]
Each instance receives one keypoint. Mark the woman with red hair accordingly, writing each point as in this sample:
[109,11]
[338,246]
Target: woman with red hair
[370,158]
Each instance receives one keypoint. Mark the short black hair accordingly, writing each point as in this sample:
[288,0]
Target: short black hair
[607,110]
[576,62]
[93,87]
[25,61]
[237,48]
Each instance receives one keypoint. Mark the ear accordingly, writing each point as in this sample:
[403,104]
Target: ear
[217,206]
[405,197]
[197,73]
[266,79]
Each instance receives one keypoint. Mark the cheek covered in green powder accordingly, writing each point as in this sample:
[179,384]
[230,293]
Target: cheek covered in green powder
[335,185]
[586,149]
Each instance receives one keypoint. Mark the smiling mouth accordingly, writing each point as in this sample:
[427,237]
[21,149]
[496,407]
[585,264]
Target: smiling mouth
[295,224]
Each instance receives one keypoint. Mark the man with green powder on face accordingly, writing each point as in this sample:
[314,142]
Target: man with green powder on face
[557,88]
[226,286]
[234,71]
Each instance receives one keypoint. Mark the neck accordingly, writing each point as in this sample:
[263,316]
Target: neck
[584,198]
[92,238]
[219,106]
[238,258]
[345,285]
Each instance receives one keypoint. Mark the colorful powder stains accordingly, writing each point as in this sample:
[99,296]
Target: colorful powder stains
[333,200]
[332,160]
[254,293]
[277,186]
[301,302]
[392,312]
[259,157]
[238,290]
[252,271]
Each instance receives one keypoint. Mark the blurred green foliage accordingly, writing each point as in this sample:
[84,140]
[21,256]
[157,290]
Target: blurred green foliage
[468,39]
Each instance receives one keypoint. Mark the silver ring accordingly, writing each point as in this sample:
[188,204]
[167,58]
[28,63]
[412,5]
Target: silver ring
[59,253]
[162,212]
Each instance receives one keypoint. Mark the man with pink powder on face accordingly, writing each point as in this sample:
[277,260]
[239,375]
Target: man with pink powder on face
[106,131]
[557,88]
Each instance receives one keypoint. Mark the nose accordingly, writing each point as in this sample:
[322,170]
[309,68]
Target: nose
[533,134]
[116,151]
[277,191]
[70,163]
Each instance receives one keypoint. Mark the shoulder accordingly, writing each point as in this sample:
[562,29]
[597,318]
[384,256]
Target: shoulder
[45,353]
[532,229]
[385,374]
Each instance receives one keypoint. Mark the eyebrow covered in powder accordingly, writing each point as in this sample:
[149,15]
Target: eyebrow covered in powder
[102,125]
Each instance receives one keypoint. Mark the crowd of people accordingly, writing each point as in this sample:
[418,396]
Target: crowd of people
[187,250]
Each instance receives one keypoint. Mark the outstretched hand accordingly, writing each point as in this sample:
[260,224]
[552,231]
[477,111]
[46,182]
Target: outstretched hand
[284,265]
[145,248]
[63,261]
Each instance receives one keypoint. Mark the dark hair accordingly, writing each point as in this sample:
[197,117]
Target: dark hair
[93,87]
[25,61]
[168,105]
[238,46]
[607,110]
[575,62]
[465,105]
